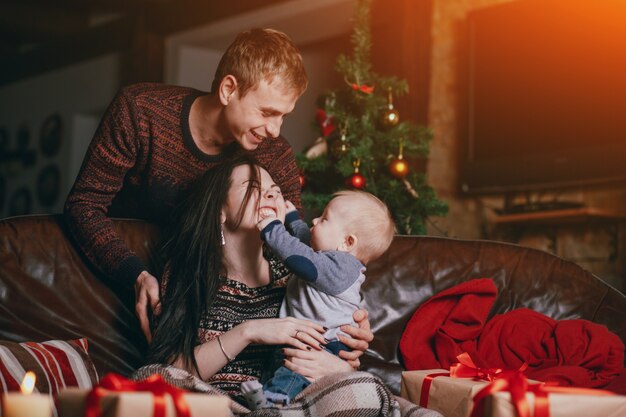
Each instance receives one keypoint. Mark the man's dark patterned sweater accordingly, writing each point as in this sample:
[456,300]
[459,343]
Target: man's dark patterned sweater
[140,162]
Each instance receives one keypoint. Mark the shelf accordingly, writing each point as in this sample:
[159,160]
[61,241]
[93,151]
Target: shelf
[575,215]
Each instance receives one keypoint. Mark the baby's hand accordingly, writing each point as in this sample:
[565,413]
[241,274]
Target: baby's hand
[289,206]
[265,221]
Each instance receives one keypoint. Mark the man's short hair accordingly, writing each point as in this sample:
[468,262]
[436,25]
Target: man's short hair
[262,54]
[372,224]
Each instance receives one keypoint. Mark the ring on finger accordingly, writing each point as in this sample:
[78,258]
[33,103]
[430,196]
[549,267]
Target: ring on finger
[296,335]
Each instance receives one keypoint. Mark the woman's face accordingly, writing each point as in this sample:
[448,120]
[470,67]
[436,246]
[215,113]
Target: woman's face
[266,199]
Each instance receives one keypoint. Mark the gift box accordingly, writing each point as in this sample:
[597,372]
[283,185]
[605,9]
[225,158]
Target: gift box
[116,396]
[454,397]
[72,402]
[560,405]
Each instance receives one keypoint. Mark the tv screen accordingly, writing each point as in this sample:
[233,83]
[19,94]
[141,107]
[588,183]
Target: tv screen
[545,104]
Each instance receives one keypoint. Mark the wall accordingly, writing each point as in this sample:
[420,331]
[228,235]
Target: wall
[80,93]
[597,246]
[79,101]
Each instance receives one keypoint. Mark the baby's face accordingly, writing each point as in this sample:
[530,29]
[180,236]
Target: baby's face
[329,231]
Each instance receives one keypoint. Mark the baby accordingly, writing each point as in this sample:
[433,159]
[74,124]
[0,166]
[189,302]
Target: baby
[328,262]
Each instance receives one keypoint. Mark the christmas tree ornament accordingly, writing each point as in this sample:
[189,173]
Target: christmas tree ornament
[409,188]
[302,179]
[319,148]
[325,121]
[399,168]
[391,117]
[343,141]
[356,180]
[340,146]
[357,86]
[364,88]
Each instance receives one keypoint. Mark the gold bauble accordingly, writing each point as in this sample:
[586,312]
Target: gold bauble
[399,168]
[391,117]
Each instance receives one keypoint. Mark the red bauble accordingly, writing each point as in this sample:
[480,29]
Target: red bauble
[326,122]
[356,180]
[302,180]
[399,168]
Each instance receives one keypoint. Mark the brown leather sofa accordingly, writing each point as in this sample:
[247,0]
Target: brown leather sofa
[48,291]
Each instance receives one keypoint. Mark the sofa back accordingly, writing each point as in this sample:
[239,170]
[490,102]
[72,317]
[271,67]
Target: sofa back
[48,291]
[417,267]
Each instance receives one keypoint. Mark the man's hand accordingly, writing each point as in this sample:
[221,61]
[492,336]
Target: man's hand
[359,342]
[146,294]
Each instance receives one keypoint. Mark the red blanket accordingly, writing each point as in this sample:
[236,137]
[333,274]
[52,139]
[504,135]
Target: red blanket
[572,352]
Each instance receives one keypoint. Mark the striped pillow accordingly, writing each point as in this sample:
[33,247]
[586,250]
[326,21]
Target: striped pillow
[57,364]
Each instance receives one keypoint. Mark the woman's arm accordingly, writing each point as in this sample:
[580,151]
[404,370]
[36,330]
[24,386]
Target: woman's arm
[211,357]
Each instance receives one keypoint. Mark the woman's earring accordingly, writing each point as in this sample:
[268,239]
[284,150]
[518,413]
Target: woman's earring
[222,234]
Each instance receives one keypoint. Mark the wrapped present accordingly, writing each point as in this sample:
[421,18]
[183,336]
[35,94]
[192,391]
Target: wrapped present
[116,396]
[559,405]
[437,390]
[468,391]
[511,394]
[448,391]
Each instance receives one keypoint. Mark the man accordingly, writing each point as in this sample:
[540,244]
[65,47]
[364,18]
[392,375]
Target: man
[154,140]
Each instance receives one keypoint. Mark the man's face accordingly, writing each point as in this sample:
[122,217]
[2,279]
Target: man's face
[259,114]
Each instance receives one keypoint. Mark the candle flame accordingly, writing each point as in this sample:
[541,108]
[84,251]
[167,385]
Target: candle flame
[28,384]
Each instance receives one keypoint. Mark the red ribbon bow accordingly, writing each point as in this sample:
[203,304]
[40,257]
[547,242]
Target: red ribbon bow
[513,382]
[517,385]
[466,368]
[154,384]
[367,89]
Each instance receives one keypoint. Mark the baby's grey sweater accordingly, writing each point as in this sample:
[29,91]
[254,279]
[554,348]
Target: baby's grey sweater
[325,286]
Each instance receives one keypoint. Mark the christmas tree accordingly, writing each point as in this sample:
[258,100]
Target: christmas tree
[363,143]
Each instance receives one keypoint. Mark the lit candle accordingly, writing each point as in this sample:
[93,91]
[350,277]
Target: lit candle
[25,403]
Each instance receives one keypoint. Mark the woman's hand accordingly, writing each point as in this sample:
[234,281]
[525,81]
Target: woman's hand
[359,342]
[314,364]
[301,334]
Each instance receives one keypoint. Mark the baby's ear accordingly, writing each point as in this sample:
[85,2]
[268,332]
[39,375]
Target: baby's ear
[349,244]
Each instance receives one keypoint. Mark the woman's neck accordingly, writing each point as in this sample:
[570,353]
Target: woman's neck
[243,259]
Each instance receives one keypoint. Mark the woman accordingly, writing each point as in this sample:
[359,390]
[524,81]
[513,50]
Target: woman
[222,295]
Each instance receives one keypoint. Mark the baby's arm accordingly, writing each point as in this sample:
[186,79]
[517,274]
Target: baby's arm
[329,271]
[296,225]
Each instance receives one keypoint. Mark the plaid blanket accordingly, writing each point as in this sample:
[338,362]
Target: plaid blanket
[352,394]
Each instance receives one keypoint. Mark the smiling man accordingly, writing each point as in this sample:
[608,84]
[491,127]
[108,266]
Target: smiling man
[155,140]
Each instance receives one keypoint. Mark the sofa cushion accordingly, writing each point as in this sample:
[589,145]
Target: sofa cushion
[57,364]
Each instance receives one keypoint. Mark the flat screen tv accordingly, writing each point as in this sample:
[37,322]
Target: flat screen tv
[545,100]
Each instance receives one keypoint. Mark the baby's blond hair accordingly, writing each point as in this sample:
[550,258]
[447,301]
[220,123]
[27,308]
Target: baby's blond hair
[371,223]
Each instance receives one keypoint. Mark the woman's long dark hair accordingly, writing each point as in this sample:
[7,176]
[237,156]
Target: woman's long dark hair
[194,254]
